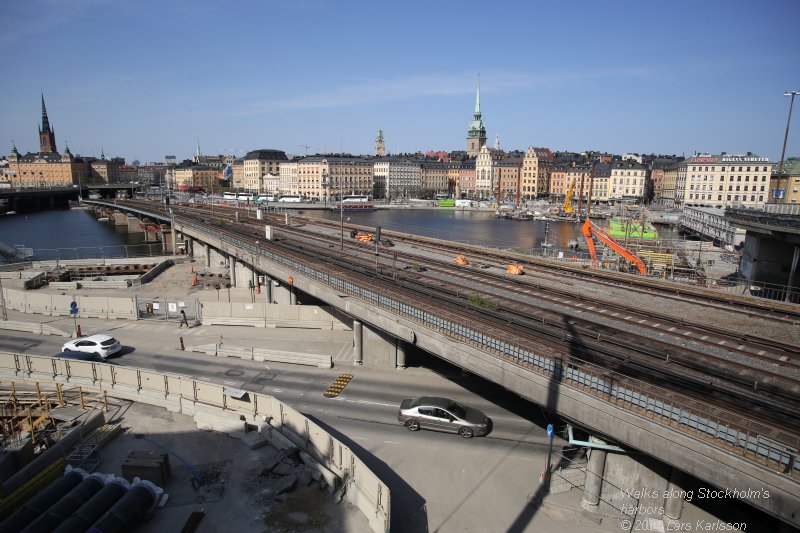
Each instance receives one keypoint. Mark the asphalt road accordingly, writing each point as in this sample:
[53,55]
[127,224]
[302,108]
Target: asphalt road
[438,481]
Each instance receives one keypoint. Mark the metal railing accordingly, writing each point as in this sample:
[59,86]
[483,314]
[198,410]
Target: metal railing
[725,429]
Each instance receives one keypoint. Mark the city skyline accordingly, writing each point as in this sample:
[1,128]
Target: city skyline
[622,77]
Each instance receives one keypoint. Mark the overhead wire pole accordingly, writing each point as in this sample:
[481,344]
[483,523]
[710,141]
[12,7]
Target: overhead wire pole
[788,121]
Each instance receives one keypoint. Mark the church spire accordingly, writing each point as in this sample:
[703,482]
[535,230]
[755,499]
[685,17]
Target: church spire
[478,99]
[476,134]
[47,137]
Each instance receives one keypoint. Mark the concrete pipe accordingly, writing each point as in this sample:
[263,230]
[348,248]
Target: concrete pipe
[71,502]
[131,509]
[89,512]
[37,505]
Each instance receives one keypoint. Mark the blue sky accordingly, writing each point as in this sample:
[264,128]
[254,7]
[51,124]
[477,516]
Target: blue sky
[142,79]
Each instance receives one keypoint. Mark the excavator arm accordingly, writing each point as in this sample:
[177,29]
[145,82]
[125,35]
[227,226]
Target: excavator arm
[590,230]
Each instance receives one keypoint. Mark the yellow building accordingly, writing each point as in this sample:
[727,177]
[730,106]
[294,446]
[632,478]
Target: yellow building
[46,168]
[535,177]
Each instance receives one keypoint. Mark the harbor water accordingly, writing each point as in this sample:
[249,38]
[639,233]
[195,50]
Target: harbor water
[75,233]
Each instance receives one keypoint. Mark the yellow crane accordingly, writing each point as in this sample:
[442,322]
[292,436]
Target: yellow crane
[567,208]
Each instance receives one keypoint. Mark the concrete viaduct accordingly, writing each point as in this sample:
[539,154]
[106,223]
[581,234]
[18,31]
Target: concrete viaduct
[683,438]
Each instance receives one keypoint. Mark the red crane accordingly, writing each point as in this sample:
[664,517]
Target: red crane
[590,231]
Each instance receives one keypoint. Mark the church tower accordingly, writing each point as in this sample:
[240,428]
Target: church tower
[47,137]
[380,147]
[476,135]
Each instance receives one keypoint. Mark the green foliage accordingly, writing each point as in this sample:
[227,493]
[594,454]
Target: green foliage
[479,300]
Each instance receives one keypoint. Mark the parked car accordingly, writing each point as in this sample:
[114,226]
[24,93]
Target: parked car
[441,414]
[100,345]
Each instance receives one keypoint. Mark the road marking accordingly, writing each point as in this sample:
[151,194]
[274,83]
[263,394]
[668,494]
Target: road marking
[277,390]
[391,442]
[231,383]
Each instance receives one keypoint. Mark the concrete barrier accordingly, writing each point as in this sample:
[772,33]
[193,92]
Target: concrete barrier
[32,327]
[210,406]
[59,304]
[263,354]
[260,314]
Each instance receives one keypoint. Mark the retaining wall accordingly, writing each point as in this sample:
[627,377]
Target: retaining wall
[261,315]
[208,403]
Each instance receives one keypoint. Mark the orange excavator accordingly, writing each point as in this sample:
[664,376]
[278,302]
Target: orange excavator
[590,231]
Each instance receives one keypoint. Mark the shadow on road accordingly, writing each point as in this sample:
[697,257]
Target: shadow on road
[408,508]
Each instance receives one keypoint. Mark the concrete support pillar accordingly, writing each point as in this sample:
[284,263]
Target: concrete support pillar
[208,255]
[174,235]
[673,501]
[268,289]
[232,266]
[358,347]
[594,477]
[292,295]
[401,354]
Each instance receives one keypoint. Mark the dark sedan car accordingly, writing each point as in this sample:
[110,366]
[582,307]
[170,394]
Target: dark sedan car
[441,414]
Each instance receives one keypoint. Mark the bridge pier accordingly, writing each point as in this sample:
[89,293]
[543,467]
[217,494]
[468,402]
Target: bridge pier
[232,269]
[268,283]
[380,349]
[358,347]
[215,257]
[593,485]
[673,501]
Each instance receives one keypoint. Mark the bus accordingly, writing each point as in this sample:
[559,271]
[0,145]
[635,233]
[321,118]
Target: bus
[266,197]
[246,196]
[355,199]
[229,196]
[293,198]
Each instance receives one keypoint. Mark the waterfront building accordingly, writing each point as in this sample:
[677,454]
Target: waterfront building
[476,134]
[600,185]
[580,174]
[627,182]
[669,184]
[558,181]
[288,177]
[485,178]
[784,187]
[509,174]
[257,165]
[237,174]
[461,178]
[433,178]
[46,168]
[535,178]
[194,177]
[323,177]
[396,177]
[707,180]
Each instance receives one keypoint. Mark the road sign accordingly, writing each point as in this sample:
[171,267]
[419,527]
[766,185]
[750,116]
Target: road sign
[550,432]
[73,308]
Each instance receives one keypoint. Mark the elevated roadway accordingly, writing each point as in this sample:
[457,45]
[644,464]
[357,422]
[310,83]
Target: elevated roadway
[736,452]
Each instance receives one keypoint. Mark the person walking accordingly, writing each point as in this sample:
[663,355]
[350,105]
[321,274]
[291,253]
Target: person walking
[183,319]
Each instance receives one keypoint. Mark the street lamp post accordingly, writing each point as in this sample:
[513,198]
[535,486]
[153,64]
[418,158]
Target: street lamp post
[341,218]
[788,121]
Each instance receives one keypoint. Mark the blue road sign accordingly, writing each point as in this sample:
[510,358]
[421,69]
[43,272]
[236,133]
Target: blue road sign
[73,308]
[550,431]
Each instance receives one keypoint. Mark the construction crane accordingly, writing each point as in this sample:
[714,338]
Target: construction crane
[590,231]
[567,208]
[306,147]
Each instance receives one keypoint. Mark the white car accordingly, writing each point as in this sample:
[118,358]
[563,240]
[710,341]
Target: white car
[101,345]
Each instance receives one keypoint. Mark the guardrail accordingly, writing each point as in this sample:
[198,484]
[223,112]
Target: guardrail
[680,412]
[203,399]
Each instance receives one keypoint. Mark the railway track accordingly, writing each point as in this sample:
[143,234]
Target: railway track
[575,327]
